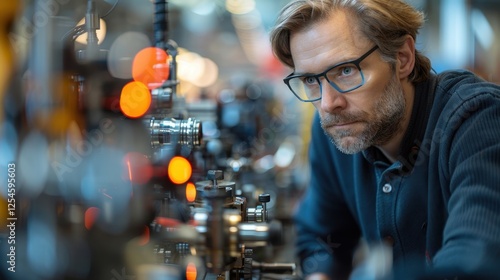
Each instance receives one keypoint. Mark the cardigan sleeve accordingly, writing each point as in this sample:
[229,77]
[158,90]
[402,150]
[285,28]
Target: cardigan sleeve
[470,162]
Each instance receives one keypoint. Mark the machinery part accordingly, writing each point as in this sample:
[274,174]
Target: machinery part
[256,214]
[218,233]
[264,199]
[259,213]
[92,24]
[205,190]
[163,96]
[160,28]
[160,23]
[281,268]
[215,187]
[251,234]
[260,234]
[247,264]
[214,176]
[171,131]
[216,241]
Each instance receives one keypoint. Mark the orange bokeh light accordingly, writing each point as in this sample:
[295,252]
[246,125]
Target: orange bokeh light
[190,192]
[91,215]
[150,66]
[145,236]
[135,100]
[179,170]
[191,272]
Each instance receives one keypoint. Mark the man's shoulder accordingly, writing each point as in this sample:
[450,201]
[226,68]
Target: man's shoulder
[460,90]
[464,83]
[461,101]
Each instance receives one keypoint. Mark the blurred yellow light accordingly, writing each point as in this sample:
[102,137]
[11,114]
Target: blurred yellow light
[234,219]
[190,66]
[197,70]
[3,212]
[190,192]
[209,75]
[101,32]
[135,100]
[239,7]
[179,170]
[247,21]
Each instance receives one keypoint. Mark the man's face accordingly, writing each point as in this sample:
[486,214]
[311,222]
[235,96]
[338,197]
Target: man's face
[370,115]
[376,125]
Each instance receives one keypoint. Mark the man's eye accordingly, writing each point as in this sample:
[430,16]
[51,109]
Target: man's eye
[309,80]
[347,70]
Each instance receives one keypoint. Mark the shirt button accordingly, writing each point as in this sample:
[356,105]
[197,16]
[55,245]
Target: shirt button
[387,188]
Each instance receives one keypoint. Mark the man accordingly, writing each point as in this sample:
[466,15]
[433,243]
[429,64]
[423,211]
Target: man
[399,155]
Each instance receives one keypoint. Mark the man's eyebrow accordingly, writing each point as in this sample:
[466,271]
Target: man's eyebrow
[325,69]
[304,73]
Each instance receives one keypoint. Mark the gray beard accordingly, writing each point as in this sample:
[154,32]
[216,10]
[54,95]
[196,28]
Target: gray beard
[390,113]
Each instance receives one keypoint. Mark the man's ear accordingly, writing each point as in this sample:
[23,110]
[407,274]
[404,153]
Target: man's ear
[406,58]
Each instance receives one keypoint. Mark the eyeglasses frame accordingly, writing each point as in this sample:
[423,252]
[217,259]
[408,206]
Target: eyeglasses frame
[356,63]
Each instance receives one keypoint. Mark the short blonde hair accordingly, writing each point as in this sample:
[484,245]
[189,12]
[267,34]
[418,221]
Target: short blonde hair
[386,23]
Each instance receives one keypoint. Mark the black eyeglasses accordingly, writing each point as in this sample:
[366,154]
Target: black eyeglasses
[344,77]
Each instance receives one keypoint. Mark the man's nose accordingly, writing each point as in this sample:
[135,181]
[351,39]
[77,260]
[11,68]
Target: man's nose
[331,99]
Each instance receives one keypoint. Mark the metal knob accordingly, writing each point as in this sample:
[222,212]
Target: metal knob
[214,176]
[265,197]
[171,131]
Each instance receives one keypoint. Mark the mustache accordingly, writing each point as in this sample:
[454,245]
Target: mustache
[330,120]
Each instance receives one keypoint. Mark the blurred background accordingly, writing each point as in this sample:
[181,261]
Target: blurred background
[155,139]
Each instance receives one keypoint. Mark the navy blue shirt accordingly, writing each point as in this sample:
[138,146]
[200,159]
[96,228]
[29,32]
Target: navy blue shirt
[438,205]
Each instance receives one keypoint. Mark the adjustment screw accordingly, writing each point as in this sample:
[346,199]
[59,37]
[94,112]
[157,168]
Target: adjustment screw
[215,175]
[265,197]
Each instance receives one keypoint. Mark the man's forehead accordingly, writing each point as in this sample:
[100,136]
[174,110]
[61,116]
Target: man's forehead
[325,43]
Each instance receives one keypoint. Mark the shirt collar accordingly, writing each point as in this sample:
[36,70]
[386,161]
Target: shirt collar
[410,145]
